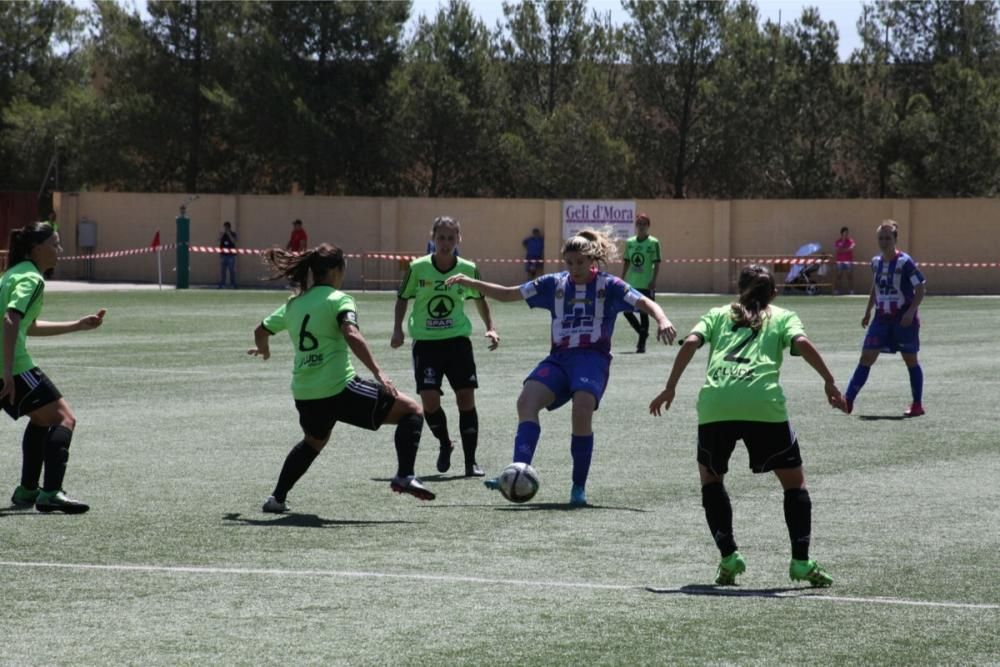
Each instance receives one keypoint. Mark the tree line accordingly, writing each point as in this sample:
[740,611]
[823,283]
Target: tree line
[683,99]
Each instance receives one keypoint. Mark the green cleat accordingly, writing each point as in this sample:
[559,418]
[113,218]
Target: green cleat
[58,501]
[729,567]
[809,570]
[24,497]
[492,484]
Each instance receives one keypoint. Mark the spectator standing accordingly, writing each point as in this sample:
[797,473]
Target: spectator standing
[844,281]
[299,240]
[534,252]
[227,260]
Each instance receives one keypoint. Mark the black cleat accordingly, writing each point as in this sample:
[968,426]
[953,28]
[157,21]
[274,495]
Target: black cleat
[444,457]
[474,470]
[58,501]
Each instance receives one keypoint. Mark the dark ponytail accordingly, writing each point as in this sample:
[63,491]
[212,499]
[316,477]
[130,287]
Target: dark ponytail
[22,240]
[756,285]
[296,267]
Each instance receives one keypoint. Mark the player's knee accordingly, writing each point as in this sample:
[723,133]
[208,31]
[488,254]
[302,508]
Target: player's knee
[411,407]
[584,404]
[430,400]
[65,416]
[527,404]
[465,399]
[316,443]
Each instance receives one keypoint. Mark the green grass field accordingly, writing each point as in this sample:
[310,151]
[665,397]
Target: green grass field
[180,438]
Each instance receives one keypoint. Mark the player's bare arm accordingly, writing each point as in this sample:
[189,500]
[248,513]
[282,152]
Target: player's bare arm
[681,361]
[804,347]
[44,328]
[918,296]
[359,346]
[492,290]
[262,343]
[397,327]
[665,329]
[11,323]
[868,308]
[487,316]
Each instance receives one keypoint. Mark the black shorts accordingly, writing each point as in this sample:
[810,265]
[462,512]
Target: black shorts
[32,390]
[434,360]
[362,403]
[771,445]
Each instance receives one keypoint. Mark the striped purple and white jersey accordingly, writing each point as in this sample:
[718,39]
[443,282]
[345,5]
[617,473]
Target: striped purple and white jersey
[583,316]
[895,282]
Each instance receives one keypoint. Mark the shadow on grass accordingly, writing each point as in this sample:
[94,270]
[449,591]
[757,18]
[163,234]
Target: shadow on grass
[443,478]
[526,507]
[564,507]
[881,418]
[296,520]
[730,591]
[15,510]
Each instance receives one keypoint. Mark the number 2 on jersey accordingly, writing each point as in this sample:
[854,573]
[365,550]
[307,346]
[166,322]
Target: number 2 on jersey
[742,344]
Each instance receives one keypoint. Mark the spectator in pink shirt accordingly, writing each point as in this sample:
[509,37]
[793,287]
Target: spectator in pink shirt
[845,262]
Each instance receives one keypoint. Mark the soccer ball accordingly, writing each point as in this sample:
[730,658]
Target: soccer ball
[518,482]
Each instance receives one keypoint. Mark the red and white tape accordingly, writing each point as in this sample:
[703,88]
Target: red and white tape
[112,254]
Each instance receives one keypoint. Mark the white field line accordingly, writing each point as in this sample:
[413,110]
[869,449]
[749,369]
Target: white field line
[350,574]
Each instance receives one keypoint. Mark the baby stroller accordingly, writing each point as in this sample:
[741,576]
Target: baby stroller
[803,278]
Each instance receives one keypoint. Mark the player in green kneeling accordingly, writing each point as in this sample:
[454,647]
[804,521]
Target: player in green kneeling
[742,399]
[322,323]
[25,389]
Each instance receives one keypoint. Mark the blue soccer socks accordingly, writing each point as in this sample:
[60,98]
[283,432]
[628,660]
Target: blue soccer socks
[916,383]
[582,449]
[526,441]
[857,381]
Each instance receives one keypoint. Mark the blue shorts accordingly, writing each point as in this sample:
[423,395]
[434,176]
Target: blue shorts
[888,335]
[565,373]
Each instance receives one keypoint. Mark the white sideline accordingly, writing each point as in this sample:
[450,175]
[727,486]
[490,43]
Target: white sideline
[349,574]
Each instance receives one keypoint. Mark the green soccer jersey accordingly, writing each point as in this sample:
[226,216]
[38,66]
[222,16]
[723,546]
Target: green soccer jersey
[641,256]
[438,310]
[21,289]
[322,365]
[743,366]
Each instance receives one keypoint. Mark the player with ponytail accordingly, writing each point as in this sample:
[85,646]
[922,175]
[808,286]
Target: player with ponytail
[25,389]
[743,400]
[584,301]
[322,323]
